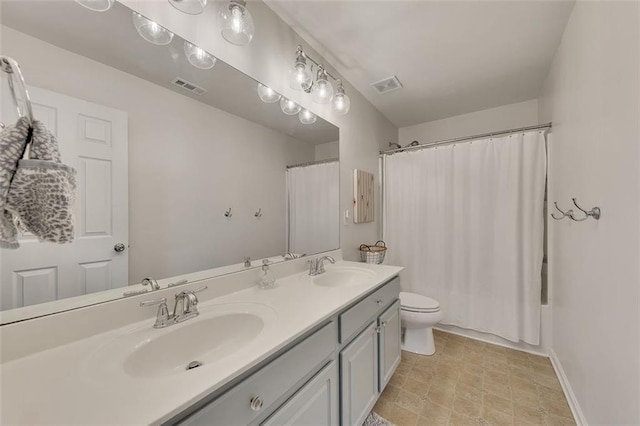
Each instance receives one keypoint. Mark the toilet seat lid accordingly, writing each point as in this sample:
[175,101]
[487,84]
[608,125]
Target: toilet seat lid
[418,303]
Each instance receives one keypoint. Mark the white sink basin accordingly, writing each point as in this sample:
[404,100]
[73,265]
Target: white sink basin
[217,333]
[343,276]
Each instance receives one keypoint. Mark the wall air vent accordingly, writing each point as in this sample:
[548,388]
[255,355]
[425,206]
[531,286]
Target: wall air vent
[187,85]
[387,85]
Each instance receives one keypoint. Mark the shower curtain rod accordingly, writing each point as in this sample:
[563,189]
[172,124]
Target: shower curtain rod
[313,163]
[466,138]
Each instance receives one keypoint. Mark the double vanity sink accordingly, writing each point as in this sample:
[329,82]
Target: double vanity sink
[138,374]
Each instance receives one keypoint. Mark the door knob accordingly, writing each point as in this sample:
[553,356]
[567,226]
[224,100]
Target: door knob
[119,248]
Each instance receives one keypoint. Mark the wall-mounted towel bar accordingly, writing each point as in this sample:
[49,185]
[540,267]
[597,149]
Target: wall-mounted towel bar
[594,212]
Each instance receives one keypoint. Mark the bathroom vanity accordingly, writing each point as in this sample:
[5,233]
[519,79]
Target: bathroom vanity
[313,350]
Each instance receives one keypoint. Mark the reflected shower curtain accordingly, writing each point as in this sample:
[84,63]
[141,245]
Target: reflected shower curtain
[466,221]
[313,194]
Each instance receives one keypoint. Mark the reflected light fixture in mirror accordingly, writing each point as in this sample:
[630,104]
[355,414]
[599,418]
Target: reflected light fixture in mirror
[289,107]
[198,57]
[151,31]
[97,5]
[340,103]
[237,22]
[300,77]
[307,117]
[322,89]
[190,7]
[267,94]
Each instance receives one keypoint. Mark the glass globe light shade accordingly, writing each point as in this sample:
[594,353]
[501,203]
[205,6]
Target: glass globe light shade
[267,94]
[198,57]
[289,107]
[236,22]
[190,7]
[307,117]
[97,5]
[300,77]
[340,103]
[151,31]
[322,89]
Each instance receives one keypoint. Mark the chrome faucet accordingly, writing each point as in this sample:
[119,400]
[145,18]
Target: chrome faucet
[185,308]
[151,283]
[290,255]
[316,266]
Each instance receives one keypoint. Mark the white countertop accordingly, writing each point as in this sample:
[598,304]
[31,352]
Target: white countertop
[81,383]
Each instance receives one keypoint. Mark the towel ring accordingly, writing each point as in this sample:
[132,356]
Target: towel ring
[11,67]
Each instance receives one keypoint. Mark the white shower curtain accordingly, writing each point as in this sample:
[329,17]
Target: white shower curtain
[466,221]
[314,214]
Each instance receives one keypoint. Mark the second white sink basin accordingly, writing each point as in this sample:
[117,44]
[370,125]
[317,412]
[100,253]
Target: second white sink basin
[343,276]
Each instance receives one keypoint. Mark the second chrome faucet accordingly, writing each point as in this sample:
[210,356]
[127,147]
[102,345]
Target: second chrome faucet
[186,307]
[316,266]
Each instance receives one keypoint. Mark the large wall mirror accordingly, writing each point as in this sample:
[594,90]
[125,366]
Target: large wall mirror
[183,170]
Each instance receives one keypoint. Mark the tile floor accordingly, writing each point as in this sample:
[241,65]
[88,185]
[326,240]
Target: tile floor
[468,382]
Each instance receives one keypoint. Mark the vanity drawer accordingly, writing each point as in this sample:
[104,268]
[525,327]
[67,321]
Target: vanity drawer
[360,314]
[269,384]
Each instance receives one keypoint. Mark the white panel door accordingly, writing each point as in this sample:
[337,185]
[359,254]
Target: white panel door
[359,376]
[390,336]
[93,139]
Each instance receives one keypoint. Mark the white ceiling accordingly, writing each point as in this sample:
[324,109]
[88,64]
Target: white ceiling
[453,57]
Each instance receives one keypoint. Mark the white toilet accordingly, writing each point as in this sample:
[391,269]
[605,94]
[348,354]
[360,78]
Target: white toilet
[418,315]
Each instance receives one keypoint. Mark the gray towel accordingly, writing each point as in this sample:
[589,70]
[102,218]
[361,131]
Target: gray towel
[13,140]
[42,191]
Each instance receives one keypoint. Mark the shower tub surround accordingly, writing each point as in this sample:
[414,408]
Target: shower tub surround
[90,366]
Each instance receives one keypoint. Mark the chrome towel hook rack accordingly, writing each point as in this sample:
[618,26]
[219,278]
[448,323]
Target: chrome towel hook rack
[594,212]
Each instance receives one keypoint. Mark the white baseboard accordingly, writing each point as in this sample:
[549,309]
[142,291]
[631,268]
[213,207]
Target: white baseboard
[578,415]
[492,339]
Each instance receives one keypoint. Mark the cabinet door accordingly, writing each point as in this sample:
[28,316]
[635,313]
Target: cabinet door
[359,376]
[315,404]
[389,326]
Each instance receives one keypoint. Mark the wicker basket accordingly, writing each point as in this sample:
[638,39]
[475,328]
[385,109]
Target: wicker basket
[373,254]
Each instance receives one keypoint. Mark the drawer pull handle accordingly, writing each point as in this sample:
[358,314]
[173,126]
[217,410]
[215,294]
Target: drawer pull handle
[376,330]
[379,302]
[384,323]
[256,403]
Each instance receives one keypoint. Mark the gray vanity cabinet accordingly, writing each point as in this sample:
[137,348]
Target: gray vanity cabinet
[359,376]
[315,404]
[389,326]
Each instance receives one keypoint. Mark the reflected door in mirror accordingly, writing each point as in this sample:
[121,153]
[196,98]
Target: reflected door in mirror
[93,139]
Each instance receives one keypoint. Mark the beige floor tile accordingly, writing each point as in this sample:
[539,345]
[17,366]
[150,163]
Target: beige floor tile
[471,393]
[496,417]
[556,407]
[442,396]
[390,392]
[434,414]
[409,357]
[466,407]
[474,380]
[417,386]
[398,380]
[410,401]
[558,421]
[457,419]
[400,416]
[527,415]
[497,389]
[498,403]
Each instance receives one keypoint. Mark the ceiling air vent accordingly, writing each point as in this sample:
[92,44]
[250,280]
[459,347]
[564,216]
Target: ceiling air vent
[187,85]
[386,85]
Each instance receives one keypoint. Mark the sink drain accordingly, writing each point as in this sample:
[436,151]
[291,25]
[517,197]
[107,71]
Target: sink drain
[193,364]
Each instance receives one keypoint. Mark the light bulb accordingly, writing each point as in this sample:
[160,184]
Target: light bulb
[289,107]
[198,57]
[97,5]
[307,117]
[151,31]
[267,94]
[340,103]
[322,89]
[190,7]
[299,76]
[237,22]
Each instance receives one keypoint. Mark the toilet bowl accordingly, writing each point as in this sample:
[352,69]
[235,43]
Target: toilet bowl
[418,315]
